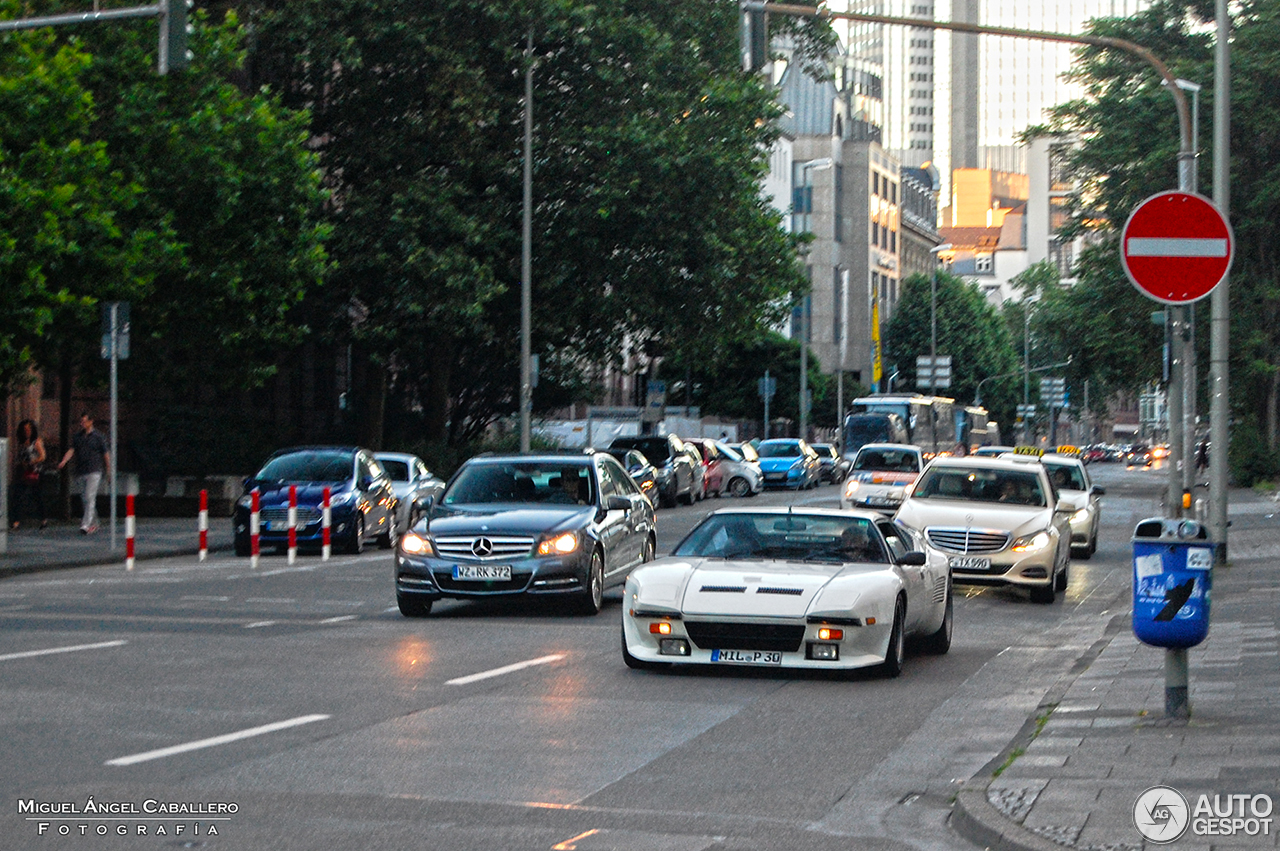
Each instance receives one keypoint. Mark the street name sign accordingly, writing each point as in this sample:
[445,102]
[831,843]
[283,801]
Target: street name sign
[1176,247]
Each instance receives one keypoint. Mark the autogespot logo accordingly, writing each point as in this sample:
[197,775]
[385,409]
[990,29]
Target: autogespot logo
[1161,814]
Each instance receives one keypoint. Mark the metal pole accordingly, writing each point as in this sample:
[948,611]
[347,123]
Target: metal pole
[1026,370]
[804,368]
[115,386]
[766,404]
[1219,407]
[526,258]
[4,495]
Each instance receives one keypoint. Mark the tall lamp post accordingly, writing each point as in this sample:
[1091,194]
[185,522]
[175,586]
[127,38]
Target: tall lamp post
[933,317]
[810,166]
[1026,364]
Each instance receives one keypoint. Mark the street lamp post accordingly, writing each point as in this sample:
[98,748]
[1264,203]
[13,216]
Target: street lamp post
[933,317]
[1026,364]
[811,165]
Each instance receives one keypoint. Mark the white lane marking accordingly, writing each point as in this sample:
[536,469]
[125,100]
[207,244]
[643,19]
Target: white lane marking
[205,599]
[392,609]
[257,624]
[270,600]
[72,649]
[216,740]
[339,619]
[1155,246]
[505,669]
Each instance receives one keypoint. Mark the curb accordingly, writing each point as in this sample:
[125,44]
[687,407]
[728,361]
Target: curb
[973,816]
[99,560]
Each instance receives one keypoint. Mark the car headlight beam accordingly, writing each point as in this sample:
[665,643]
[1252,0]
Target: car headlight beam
[1026,543]
[559,545]
[415,544]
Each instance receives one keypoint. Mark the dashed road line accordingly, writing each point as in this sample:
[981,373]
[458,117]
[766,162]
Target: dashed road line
[200,744]
[259,624]
[70,649]
[339,619]
[505,669]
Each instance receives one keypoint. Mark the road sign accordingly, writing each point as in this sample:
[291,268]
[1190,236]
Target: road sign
[1053,392]
[767,387]
[119,343]
[1176,247]
[935,377]
[1026,410]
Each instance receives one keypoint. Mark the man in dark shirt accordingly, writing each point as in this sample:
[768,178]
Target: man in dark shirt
[92,459]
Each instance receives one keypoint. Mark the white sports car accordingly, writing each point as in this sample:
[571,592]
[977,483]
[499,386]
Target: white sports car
[812,588]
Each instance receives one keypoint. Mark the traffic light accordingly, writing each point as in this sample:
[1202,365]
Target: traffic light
[754,36]
[174,27]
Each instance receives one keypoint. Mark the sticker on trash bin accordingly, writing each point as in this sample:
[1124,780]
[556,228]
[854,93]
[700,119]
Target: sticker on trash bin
[1199,558]
[1149,566]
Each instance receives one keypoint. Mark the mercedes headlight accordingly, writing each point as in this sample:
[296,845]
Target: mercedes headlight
[1080,516]
[415,545]
[1026,543]
[559,545]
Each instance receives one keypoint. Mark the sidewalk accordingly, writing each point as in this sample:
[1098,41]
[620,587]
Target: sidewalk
[32,549]
[1104,739]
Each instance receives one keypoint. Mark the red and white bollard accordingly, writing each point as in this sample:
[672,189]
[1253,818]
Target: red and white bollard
[325,516]
[129,530]
[254,543]
[203,525]
[293,523]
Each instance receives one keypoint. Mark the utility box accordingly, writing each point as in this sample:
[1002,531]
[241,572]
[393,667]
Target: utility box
[1172,581]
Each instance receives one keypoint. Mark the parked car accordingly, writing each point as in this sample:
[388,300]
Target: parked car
[362,500]
[675,469]
[414,485]
[555,526]
[741,477]
[700,473]
[834,467]
[641,470]
[712,459]
[789,462]
[747,451]
[813,588]
[998,521]
[882,475]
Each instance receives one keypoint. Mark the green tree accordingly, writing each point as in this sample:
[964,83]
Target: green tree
[649,231]
[1128,143]
[969,330]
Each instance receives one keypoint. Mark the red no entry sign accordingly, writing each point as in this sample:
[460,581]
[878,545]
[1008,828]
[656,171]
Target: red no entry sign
[1176,247]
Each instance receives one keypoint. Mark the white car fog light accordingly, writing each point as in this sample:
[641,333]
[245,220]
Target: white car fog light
[824,652]
[673,647]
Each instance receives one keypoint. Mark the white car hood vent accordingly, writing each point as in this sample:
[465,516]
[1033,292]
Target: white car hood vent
[723,589]
[793,592]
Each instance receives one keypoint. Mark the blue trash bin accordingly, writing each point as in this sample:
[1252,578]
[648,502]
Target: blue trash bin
[1172,582]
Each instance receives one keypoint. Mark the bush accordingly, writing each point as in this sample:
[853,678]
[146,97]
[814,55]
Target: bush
[1250,458]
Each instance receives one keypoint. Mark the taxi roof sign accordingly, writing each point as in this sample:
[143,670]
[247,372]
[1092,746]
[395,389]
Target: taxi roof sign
[1028,450]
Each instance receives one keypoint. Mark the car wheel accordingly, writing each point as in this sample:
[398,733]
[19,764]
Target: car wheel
[592,597]
[1045,594]
[940,642]
[242,548]
[355,543]
[638,664]
[739,487]
[1093,544]
[647,550]
[387,540]
[667,499]
[1060,583]
[412,608]
[688,498]
[895,655]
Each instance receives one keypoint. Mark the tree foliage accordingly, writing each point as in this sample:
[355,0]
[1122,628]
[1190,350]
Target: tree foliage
[970,330]
[649,233]
[1128,144]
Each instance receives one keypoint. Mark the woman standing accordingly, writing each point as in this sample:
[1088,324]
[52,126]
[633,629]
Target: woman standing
[28,461]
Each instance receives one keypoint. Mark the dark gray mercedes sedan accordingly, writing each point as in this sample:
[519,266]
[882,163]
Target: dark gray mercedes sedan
[566,525]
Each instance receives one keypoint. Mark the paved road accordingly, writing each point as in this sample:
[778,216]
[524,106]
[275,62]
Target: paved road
[298,694]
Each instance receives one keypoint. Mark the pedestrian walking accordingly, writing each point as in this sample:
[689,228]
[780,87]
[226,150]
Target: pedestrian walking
[92,459]
[28,463]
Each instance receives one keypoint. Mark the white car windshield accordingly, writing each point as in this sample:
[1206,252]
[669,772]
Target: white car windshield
[1012,487]
[792,537]
[887,459]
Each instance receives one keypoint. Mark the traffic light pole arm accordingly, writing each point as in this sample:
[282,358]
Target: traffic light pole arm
[173,42]
[1184,112]
[977,393]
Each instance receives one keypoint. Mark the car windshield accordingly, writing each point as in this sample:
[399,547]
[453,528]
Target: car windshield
[526,482]
[308,466]
[1066,476]
[790,537]
[1014,487]
[864,429]
[782,449]
[824,450]
[887,459]
[397,470]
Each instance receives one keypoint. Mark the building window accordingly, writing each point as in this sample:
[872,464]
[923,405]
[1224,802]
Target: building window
[983,264]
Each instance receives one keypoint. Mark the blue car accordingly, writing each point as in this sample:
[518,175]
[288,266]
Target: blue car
[789,462]
[362,501]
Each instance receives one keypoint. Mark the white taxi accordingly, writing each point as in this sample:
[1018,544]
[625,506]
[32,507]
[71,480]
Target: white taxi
[1071,477]
[881,475]
[998,521]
